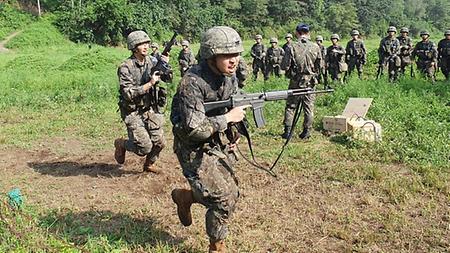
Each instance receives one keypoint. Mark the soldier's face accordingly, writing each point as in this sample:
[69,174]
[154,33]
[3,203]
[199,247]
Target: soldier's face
[273,44]
[319,42]
[447,36]
[404,34]
[154,49]
[227,63]
[142,49]
[425,37]
[355,37]
[258,41]
[334,41]
[391,34]
[288,39]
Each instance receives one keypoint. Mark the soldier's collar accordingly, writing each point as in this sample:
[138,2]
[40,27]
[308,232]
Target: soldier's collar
[136,61]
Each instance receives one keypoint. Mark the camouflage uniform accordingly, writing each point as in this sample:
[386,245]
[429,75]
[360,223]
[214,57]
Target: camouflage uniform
[186,59]
[258,53]
[241,72]
[388,55]
[356,56]
[287,47]
[322,77]
[426,53]
[444,55]
[335,62]
[406,48]
[304,59]
[199,137]
[138,109]
[274,57]
[155,53]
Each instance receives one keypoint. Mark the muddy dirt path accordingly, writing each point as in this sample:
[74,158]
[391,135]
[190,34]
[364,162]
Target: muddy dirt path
[5,41]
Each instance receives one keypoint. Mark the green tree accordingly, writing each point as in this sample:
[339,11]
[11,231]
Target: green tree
[342,18]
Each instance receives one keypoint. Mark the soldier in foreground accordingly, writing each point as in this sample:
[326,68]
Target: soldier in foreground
[139,108]
[274,56]
[426,53]
[322,77]
[186,58]
[406,48]
[335,61]
[388,54]
[356,55]
[444,54]
[205,155]
[258,53]
[304,59]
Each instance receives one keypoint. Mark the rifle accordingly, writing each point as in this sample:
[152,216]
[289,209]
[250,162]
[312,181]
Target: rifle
[256,100]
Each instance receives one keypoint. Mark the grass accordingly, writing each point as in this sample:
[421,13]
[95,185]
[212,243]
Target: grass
[54,88]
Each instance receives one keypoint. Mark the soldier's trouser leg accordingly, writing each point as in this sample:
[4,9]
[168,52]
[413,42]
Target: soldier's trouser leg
[255,68]
[431,72]
[445,68]
[277,70]
[213,186]
[351,67]
[359,67]
[291,106]
[268,72]
[145,134]
[308,109]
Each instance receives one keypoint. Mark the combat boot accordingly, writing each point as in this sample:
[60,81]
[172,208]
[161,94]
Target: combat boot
[184,199]
[287,131]
[119,154]
[149,166]
[217,246]
[305,134]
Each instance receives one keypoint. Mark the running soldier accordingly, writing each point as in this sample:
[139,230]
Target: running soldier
[322,77]
[200,144]
[258,52]
[139,108]
[406,48]
[335,61]
[388,54]
[356,55]
[274,56]
[426,53]
[304,59]
[444,54]
[186,58]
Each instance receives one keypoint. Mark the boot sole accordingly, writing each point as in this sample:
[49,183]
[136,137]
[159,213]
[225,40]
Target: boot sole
[185,221]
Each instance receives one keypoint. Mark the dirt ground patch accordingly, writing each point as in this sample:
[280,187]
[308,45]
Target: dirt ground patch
[3,43]
[298,212]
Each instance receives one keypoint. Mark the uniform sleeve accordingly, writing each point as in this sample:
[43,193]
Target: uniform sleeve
[252,52]
[128,88]
[192,112]
[435,53]
[347,48]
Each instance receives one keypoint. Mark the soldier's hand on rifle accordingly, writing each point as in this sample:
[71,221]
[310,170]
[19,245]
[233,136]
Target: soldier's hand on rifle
[236,114]
[165,58]
[156,77]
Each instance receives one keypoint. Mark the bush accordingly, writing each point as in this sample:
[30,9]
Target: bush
[12,19]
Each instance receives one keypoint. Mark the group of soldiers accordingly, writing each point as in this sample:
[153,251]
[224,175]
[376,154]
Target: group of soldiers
[205,142]
[396,54]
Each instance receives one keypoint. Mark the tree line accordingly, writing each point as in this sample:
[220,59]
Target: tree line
[107,22]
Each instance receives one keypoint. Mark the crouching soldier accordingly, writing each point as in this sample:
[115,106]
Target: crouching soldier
[141,103]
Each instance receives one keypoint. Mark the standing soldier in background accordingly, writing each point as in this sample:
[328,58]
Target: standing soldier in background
[322,77]
[335,61]
[356,55]
[258,52]
[304,60]
[186,58]
[241,72]
[426,53]
[274,56]
[139,108]
[287,47]
[388,54]
[155,53]
[200,139]
[444,54]
[406,48]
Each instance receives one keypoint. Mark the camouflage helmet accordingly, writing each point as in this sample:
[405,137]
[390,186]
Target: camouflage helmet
[220,40]
[404,30]
[354,32]
[135,38]
[319,38]
[185,43]
[288,36]
[258,36]
[425,32]
[447,33]
[273,40]
[392,29]
[155,45]
[335,36]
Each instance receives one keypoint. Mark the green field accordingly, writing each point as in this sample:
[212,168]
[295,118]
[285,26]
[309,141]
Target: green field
[56,89]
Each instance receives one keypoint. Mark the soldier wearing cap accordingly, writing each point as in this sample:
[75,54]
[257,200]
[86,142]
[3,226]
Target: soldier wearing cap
[406,48]
[335,61]
[444,54]
[356,55]
[140,109]
[304,60]
[322,77]
[258,53]
[200,141]
[426,53]
[388,52]
[186,58]
[274,55]
[155,52]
